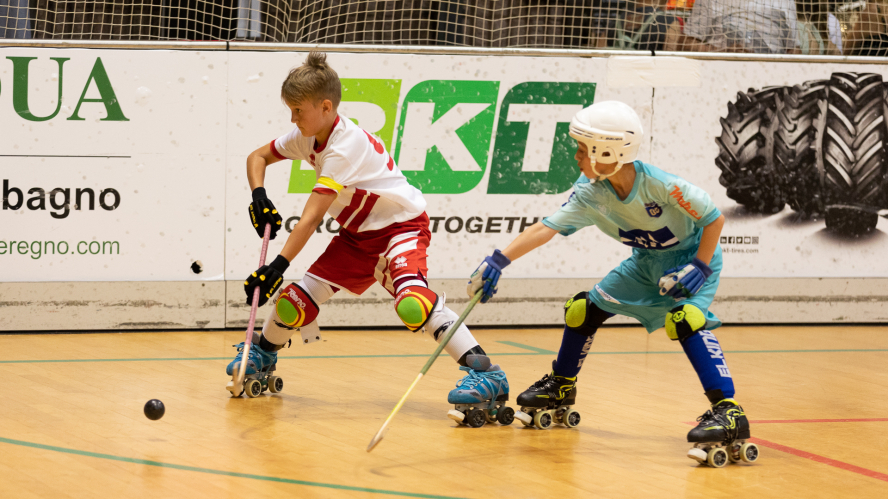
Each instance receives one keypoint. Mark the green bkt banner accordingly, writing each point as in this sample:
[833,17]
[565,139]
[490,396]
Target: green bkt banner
[446,128]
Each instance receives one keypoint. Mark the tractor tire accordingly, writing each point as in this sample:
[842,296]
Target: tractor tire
[853,160]
[745,151]
[800,113]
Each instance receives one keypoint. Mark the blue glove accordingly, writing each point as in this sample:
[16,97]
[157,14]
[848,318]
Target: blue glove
[487,275]
[684,282]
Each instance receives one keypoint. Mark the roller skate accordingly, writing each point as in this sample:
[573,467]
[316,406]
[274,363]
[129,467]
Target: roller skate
[259,374]
[721,436]
[548,401]
[480,397]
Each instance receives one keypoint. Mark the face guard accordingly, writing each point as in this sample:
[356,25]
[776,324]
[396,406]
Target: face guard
[611,132]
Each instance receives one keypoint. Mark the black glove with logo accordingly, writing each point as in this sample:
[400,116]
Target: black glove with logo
[268,279]
[263,212]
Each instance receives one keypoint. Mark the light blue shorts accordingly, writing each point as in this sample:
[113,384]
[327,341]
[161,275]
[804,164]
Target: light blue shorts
[632,288]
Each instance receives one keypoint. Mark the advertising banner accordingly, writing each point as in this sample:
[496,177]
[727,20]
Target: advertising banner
[112,165]
[131,165]
[794,155]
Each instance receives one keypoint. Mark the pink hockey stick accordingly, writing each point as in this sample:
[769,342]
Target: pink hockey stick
[237,383]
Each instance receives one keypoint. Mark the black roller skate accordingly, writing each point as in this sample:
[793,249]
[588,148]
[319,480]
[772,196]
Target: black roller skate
[721,436]
[259,375]
[549,400]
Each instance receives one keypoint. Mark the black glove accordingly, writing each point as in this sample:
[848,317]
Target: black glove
[262,212]
[268,278]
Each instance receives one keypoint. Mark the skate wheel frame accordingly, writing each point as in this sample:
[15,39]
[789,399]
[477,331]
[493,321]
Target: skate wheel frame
[717,456]
[544,418]
[464,414]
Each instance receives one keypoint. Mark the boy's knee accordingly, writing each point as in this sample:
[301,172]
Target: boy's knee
[583,316]
[414,305]
[684,321]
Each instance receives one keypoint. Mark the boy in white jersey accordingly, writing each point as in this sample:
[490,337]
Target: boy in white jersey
[673,273]
[383,237]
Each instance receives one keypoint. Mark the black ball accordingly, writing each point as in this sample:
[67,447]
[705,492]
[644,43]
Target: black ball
[154,409]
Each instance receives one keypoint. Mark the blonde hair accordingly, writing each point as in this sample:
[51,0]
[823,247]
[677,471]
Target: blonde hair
[313,80]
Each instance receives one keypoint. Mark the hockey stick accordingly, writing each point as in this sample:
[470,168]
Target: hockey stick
[236,385]
[380,434]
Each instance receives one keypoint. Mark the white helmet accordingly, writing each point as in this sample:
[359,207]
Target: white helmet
[611,131]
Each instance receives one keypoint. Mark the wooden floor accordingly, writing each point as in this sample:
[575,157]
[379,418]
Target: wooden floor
[71,422]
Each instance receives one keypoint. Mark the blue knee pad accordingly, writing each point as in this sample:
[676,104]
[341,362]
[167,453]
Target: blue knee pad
[582,318]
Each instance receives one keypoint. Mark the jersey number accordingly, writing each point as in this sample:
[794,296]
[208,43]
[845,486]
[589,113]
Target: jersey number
[380,149]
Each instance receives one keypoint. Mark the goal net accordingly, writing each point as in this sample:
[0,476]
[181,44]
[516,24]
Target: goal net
[756,26]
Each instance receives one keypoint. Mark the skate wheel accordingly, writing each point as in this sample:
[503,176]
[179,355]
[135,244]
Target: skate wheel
[749,453]
[457,416]
[698,455]
[542,420]
[505,416]
[275,384]
[717,457]
[525,418]
[253,388]
[476,418]
[570,418]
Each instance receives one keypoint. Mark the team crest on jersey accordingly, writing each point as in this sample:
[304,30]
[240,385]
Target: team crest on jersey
[653,209]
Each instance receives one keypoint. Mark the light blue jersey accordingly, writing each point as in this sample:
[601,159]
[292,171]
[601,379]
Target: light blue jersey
[662,218]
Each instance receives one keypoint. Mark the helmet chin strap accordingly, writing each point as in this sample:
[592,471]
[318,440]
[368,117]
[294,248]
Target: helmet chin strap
[611,174]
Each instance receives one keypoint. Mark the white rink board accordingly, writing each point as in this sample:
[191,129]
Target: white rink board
[165,160]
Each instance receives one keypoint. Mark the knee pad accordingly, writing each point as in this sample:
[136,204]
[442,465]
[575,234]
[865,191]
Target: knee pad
[584,316]
[684,321]
[414,305]
[293,310]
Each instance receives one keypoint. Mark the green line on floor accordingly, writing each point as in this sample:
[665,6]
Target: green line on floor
[536,351]
[526,347]
[218,472]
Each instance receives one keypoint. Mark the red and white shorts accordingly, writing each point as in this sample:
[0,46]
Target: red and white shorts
[355,260]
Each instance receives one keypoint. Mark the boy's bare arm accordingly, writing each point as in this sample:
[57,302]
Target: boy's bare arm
[537,235]
[312,215]
[256,163]
[709,239]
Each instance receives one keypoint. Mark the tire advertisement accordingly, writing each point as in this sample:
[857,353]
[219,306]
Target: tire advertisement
[800,164]
[130,165]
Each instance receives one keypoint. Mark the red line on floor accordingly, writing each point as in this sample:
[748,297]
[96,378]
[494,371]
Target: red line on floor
[770,421]
[865,420]
[821,459]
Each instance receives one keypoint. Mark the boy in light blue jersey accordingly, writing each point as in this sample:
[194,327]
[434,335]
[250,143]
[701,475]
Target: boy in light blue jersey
[670,278]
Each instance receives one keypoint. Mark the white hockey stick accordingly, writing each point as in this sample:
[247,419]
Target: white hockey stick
[453,327]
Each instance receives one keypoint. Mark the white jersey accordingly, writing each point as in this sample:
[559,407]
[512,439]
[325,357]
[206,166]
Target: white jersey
[372,193]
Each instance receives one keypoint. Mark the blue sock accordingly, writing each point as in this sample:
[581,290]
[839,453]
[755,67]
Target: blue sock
[574,347]
[708,360]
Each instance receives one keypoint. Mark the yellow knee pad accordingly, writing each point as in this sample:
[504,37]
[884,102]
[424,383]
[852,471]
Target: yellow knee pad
[683,321]
[583,316]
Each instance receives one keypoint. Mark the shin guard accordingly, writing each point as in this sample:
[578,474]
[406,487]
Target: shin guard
[462,341]
[705,354]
